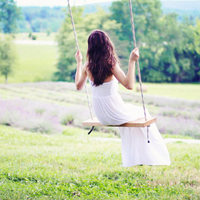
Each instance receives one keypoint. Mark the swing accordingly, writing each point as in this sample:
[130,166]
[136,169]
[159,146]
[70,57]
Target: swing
[142,122]
[136,123]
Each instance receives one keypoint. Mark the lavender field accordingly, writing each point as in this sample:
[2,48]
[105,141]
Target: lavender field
[49,107]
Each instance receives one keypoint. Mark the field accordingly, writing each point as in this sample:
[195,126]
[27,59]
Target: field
[40,36]
[174,90]
[46,154]
[76,166]
[34,63]
[49,99]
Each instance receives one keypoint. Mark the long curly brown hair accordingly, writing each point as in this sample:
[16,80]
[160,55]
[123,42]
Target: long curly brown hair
[101,56]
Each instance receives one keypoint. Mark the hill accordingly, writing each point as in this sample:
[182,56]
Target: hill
[49,19]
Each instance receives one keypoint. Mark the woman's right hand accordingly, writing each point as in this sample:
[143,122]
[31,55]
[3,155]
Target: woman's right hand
[135,54]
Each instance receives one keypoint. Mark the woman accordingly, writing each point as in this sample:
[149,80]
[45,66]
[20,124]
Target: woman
[103,70]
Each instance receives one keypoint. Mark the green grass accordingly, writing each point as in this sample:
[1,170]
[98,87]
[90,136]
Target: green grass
[36,93]
[35,63]
[40,36]
[185,91]
[177,136]
[77,166]
[174,90]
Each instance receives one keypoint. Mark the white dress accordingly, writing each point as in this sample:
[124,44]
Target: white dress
[110,109]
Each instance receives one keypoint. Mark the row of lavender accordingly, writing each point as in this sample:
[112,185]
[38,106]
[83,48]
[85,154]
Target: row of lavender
[38,116]
[174,116]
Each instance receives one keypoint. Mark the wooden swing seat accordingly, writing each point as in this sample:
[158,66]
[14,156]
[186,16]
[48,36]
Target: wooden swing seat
[136,123]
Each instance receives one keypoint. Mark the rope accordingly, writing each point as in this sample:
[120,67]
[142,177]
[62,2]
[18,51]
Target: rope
[77,46]
[74,30]
[138,67]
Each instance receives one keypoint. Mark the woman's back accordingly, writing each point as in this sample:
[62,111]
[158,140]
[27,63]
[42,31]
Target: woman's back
[89,75]
[106,89]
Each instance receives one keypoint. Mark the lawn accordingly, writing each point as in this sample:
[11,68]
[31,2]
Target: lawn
[40,36]
[173,90]
[34,63]
[74,165]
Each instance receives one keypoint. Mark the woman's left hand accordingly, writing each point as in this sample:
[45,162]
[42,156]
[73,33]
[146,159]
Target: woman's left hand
[78,57]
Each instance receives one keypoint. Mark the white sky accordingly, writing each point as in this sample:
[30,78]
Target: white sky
[57,2]
[52,3]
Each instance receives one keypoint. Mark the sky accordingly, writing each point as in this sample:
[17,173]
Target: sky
[52,3]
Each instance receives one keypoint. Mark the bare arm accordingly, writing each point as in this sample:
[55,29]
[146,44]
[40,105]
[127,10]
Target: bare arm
[127,80]
[81,75]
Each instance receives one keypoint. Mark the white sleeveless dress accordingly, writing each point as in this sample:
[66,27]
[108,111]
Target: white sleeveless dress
[110,109]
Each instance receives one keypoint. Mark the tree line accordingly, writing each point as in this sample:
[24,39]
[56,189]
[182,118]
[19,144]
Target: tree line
[170,49]
[48,19]
[40,19]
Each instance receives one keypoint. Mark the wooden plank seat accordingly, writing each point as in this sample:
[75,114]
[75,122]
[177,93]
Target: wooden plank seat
[136,123]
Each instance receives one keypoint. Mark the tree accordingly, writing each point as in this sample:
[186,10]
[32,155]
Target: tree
[84,25]
[66,43]
[168,48]
[179,58]
[146,14]
[9,14]
[7,56]
[196,57]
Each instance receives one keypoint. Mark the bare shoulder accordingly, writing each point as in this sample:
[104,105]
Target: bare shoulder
[119,73]
[87,71]
[84,67]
